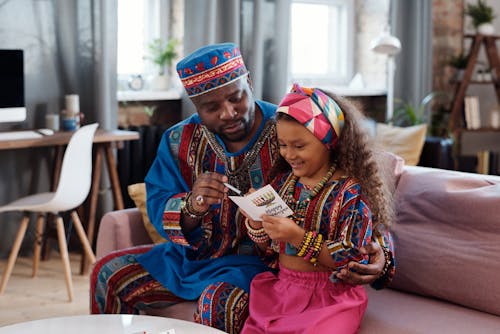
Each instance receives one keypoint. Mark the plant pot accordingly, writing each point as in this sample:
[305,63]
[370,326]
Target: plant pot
[160,82]
[486,29]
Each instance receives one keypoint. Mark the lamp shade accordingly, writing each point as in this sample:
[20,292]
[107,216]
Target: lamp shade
[386,44]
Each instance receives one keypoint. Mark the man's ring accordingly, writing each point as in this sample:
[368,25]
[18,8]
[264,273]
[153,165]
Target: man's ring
[199,200]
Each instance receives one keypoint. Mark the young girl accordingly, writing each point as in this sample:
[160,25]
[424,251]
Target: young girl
[328,176]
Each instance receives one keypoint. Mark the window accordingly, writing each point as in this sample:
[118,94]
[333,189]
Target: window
[321,42]
[139,23]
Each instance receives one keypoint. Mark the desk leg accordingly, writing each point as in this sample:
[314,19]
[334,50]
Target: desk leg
[92,206]
[115,180]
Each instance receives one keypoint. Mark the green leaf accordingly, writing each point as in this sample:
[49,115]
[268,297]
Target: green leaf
[162,54]
[406,114]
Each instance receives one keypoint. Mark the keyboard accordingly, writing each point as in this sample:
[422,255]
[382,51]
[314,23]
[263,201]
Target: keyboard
[16,135]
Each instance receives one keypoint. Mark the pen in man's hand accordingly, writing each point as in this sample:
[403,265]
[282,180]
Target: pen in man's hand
[236,190]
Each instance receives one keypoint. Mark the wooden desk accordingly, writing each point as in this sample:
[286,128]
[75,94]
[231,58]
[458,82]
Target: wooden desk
[103,145]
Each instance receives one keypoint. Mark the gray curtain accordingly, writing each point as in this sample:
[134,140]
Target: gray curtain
[86,52]
[69,48]
[411,22]
[259,27]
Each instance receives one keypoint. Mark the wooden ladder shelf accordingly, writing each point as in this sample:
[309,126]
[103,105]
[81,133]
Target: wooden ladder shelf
[461,87]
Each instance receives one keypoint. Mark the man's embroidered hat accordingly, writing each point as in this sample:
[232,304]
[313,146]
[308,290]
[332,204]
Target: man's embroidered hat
[211,67]
[319,113]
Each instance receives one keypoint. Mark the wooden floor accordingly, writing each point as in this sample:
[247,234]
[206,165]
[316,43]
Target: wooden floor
[44,296]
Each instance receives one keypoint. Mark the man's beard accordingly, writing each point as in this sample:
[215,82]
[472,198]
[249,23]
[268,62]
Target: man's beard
[237,137]
[247,128]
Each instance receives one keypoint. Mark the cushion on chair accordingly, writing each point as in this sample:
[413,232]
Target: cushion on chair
[407,142]
[138,194]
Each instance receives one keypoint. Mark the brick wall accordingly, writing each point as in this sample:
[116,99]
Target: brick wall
[447,40]
[371,18]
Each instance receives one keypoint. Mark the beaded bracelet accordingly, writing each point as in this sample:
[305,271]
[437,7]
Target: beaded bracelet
[318,243]
[387,263]
[306,242]
[187,208]
[259,240]
[258,236]
[314,249]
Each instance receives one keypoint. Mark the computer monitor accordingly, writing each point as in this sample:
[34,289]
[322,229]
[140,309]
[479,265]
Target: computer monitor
[12,106]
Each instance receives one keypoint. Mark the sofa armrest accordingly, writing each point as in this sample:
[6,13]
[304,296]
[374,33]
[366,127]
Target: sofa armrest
[121,229]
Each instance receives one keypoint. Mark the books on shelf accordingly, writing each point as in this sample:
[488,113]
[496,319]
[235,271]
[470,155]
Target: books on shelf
[471,111]
[494,161]
[488,162]
[483,162]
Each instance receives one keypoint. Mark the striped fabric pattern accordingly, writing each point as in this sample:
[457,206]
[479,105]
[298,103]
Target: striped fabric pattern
[344,218]
[223,305]
[211,67]
[319,113]
[119,284]
[195,156]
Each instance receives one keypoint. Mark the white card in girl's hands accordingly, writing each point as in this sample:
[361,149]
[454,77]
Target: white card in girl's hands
[263,201]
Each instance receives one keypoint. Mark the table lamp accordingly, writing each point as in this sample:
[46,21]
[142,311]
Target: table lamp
[388,45]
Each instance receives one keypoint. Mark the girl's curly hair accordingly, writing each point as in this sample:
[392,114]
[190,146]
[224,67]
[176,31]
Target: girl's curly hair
[354,154]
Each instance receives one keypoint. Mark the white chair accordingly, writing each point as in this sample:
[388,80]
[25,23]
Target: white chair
[72,189]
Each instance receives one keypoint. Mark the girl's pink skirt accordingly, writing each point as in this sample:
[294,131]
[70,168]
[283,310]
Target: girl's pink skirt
[303,302]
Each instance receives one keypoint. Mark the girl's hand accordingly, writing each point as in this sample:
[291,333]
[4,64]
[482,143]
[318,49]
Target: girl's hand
[256,225]
[283,229]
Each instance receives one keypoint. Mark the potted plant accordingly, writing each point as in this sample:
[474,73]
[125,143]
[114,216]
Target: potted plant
[459,62]
[482,17]
[406,114]
[162,55]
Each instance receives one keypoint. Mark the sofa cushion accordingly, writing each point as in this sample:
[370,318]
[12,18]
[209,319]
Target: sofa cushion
[391,167]
[395,312]
[447,236]
[406,142]
[120,229]
[138,194]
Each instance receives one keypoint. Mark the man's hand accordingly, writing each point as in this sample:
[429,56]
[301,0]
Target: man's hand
[208,189]
[365,273]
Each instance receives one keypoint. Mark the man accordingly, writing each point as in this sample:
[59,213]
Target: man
[209,258]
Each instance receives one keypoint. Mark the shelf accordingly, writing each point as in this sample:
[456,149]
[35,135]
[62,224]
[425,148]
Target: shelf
[145,95]
[490,48]
[489,82]
[474,82]
[475,35]
[485,129]
[349,92]
[473,141]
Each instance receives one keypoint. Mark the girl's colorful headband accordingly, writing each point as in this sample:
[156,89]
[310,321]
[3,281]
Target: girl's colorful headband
[319,113]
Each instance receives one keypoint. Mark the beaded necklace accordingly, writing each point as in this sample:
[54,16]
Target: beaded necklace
[238,171]
[299,207]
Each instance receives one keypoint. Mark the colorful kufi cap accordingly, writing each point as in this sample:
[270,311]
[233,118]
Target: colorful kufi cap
[319,113]
[211,67]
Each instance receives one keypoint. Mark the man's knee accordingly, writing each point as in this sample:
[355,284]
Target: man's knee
[224,306]
[101,285]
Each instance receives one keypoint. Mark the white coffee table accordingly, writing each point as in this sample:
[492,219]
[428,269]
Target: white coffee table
[109,324]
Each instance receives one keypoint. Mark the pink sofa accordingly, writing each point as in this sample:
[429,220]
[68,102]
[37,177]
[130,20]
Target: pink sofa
[447,240]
